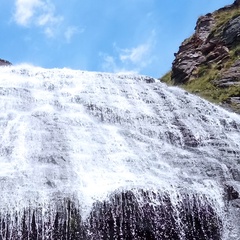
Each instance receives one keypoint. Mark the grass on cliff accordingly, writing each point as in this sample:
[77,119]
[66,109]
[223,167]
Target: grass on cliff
[203,84]
[222,17]
[167,78]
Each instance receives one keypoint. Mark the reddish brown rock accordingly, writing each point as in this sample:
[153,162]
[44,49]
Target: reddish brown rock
[213,50]
[193,51]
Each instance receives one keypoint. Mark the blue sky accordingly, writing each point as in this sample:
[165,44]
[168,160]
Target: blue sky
[99,35]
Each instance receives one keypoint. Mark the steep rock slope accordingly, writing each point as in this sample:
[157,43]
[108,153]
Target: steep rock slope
[4,62]
[208,63]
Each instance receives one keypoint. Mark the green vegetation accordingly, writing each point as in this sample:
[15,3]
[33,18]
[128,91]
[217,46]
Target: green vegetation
[222,17]
[167,78]
[205,88]
[235,52]
[204,79]
[203,85]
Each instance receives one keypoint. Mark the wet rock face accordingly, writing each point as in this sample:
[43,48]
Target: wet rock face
[231,193]
[124,216]
[4,62]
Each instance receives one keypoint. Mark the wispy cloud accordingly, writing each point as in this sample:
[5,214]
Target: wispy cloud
[133,59]
[25,10]
[37,12]
[71,31]
[137,55]
[110,64]
[40,13]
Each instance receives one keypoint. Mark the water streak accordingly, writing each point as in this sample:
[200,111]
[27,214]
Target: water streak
[114,156]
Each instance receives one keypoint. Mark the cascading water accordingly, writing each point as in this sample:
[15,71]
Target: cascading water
[114,156]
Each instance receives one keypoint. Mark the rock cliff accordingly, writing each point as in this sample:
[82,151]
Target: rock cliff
[208,63]
[4,63]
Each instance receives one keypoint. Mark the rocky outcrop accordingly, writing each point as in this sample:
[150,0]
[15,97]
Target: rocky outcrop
[207,45]
[193,51]
[230,76]
[231,31]
[4,62]
[208,63]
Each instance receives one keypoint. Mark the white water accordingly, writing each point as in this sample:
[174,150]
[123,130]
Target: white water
[72,133]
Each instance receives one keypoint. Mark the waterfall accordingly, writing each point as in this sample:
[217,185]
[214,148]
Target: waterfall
[87,155]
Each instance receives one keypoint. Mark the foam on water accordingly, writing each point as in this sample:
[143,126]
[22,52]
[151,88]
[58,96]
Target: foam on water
[85,135]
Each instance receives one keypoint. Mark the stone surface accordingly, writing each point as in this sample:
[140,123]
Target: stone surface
[194,51]
[230,77]
[236,203]
[231,32]
[237,3]
[4,62]
[214,45]
[231,193]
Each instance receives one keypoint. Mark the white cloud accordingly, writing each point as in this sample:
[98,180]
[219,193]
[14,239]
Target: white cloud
[71,31]
[40,13]
[109,64]
[46,19]
[130,59]
[25,10]
[138,55]
[49,32]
